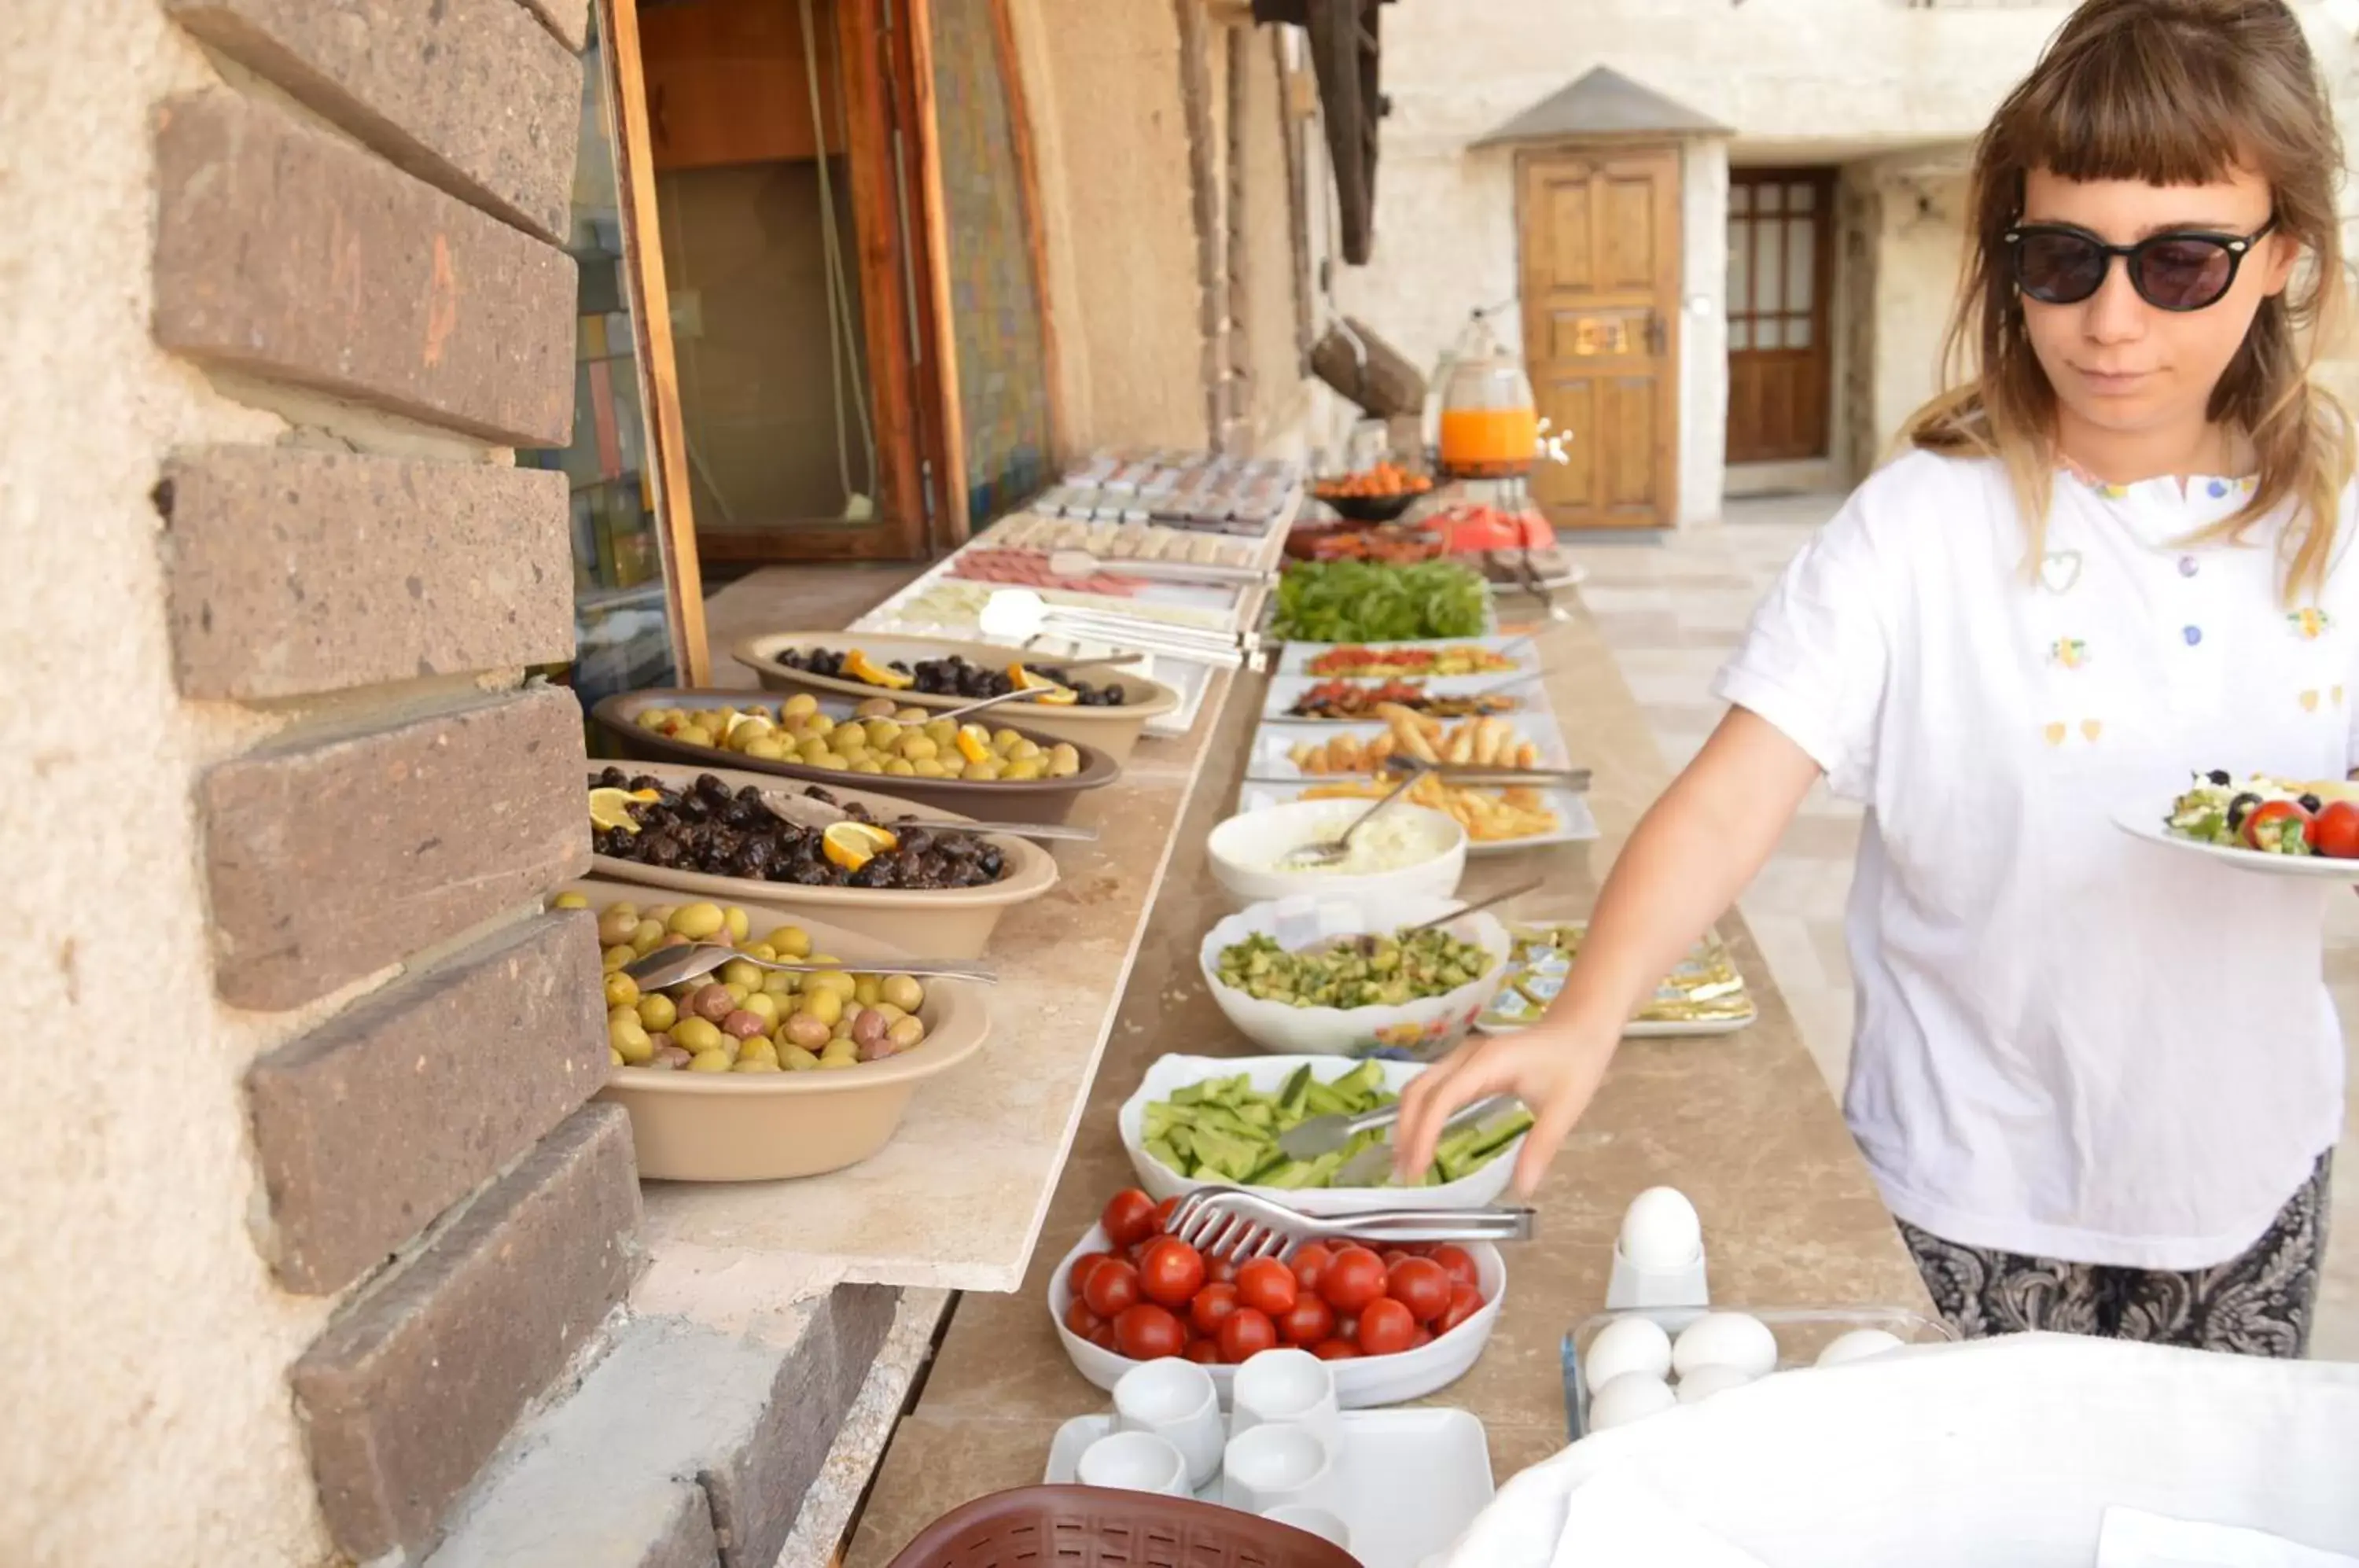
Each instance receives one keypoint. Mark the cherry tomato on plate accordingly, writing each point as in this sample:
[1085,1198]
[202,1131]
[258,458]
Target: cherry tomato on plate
[1082,1320]
[1246,1332]
[1465,1301]
[1421,1285]
[2334,831]
[1077,1278]
[1129,1218]
[1354,1279]
[1163,1214]
[1205,1352]
[1212,1307]
[1336,1349]
[1310,1321]
[1267,1286]
[1459,1263]
[1149,1333]
[1113,1289]
[1221,1268]
[1421,1338]
[2274,823]
[1170,1272]
[1385,1328]
[1310,1264]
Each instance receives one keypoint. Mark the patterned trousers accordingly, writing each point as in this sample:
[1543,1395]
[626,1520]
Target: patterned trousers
[2258,1304]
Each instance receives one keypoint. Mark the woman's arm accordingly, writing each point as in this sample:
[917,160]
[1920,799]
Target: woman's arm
[1692,853]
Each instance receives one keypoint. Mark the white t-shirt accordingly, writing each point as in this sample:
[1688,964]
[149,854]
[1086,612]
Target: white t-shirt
[2069,1042]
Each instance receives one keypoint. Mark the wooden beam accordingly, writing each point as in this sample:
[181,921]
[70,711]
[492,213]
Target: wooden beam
[619,21]
[1028,180]
[867,90]
[950,488]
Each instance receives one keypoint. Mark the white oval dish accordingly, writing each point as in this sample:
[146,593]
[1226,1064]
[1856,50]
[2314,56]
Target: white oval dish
[1360,1384]
[1268,1073]
[1415,1032]
[1243,849]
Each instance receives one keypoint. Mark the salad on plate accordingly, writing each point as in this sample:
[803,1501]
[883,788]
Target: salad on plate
[2268,816]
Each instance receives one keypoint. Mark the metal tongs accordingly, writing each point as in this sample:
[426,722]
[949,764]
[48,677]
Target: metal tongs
[1575,778]
[1243,1225]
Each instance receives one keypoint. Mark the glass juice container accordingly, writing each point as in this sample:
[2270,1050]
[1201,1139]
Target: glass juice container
[1490,429]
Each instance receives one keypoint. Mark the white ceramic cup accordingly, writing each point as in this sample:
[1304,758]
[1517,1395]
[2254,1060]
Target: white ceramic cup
[1134,1462]
[1276,1465]
[1175,1401]
[1291,1386]
[1326,1526]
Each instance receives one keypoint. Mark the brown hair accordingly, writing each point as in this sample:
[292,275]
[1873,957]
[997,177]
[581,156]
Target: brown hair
[2172,93]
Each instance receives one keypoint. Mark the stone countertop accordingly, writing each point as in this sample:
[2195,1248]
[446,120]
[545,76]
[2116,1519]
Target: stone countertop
[1743,1124]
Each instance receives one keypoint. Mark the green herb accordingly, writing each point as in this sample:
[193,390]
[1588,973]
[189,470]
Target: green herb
[1358,600]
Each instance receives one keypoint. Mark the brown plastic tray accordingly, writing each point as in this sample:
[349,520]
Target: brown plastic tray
[1089,1527]
[1045,801]
[947,922]
[732,1127]
[1113,730]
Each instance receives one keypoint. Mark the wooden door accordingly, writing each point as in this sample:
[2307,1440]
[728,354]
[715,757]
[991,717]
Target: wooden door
[1600,237]
[1780,363]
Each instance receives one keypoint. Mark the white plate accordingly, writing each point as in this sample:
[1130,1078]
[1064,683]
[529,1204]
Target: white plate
[1424,1030]
[1412,1479]
[2302,867]
[1285,690]
[1267,1074]
[1639,1029]
[1575,822]
[1299,655]
[1360,1384]
[1269,758]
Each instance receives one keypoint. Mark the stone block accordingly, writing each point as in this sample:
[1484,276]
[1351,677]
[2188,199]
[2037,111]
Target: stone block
[476,97]
[569,19]
[411,1389]
[293,571]
[373,1125]
[284,252]
[326,863]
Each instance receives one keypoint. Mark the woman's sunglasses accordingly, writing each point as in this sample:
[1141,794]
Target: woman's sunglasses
[2057,265]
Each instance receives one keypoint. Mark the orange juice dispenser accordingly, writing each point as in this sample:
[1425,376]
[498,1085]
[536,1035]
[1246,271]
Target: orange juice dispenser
[1490,427]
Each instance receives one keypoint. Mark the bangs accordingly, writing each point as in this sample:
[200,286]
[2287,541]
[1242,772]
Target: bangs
[2165,105]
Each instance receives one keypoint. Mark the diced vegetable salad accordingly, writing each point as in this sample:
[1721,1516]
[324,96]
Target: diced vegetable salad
[1225,1130]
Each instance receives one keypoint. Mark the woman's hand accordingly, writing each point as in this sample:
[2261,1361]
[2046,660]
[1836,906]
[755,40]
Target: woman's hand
[1554,1067]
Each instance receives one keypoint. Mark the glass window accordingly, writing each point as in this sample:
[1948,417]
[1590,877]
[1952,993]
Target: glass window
[1740,248]
[1768,286]
[1802,263]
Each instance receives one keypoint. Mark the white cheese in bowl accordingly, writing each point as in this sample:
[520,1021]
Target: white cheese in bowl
[1389,844]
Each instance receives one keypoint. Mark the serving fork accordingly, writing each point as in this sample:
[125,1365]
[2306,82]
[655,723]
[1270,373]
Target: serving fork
[1245,1226]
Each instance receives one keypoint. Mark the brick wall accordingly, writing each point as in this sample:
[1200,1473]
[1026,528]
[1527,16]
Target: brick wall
[366,211]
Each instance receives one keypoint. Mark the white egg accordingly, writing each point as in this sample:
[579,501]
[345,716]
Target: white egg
[1633,1396]
[1705,1381]
[1627,1344]
[1726,1339]
[1661,1230]
[1858,1345]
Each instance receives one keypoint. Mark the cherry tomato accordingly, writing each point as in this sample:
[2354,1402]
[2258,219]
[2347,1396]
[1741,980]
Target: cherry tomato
[2274,822]
[1354,1279]
[1385,1328]
[1338,1349]
[1211,1308]
[1310,1263]
[1421,1285]
[1421,1338]
[1113,1289]
[2334,831]
[1077,1278]
[1205,1352]
[1221,1268]
[1310,1321]
[1267,1286]
[1246,1332]
[1147,1333]
[1459,1263]
[1170,1272]
[1465,1301]
[1082,1320]
[1129,1218]
[1163,1215]
[1347,1326]
[1104,1338]
[1393,1258]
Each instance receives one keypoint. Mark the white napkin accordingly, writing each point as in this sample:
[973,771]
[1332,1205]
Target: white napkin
[2131,1538]
[1619,1521]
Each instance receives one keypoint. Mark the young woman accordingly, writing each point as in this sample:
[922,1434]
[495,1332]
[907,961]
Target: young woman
[2096,1079]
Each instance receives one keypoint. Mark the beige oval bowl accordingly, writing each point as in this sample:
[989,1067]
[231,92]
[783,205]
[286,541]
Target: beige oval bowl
[747,1127]
[947,922]
[1043,800]
[1113,730]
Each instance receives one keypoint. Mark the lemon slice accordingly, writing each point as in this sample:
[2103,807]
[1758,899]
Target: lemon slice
[861,667]
[611,808]
[854,845]
[1050,693]
[974,743]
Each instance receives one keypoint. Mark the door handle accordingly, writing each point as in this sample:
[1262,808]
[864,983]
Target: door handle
[1659,336]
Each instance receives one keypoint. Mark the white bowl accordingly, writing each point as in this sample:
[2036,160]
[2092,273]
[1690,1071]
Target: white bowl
[1361,1383]
[1413,1031]
[1268,1073]
[1243,848]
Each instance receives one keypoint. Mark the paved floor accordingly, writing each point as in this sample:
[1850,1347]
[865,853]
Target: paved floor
[1672,612]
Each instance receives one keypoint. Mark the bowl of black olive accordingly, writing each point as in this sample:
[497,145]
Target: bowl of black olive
[716,833]
[1104,708]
